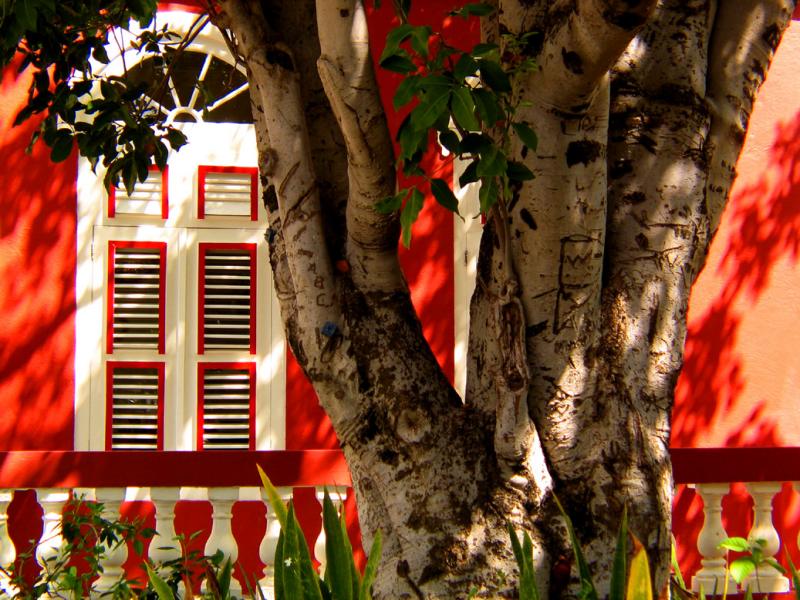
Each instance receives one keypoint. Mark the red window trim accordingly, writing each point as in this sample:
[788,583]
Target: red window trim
[112,194]
[162,277]
[115,364]
[203,170]
[201,370]
[201,287]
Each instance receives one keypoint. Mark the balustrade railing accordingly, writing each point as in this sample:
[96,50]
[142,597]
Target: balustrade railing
[224,479]
[221,479]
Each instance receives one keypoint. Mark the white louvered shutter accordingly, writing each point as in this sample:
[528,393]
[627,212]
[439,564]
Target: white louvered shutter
[226,403]
[149,198]
[136,291]
[227,297]
[227,192]
[135,400]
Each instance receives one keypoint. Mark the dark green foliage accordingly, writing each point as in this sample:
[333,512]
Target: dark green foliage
[110,119]
[470,92]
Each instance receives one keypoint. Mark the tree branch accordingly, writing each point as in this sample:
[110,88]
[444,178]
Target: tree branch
[345,68]
[744,39]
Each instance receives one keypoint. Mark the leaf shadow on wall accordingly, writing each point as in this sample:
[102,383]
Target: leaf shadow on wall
[763,221]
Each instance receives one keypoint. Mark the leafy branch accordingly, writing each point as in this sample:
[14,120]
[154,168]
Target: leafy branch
[468,100]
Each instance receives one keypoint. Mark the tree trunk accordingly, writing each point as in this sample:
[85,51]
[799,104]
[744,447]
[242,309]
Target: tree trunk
[578,317]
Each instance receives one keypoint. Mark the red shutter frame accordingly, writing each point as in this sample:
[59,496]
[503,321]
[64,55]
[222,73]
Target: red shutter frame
[162,277]
[110,366]
[203,170]
[201,370]
[112,194]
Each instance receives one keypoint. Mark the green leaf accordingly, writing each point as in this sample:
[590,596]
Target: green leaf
[411,140]
[588,591]
[527,582]
[494,76]
[449,140]
[176,138]
[405,91]
[526,135]
[470,174]
[393,40]
[676,567]
[410,213]
[278,507]
[280,590]
[26,14]
[476,142]
[737,544]
[465,67]
[518,172]
[62,146]
[224,579]
[493,163]
[617,585]
[391,203]
[371,569]
[464,109]
[399,63]
[741,568]
[292,584]
[477,9]
[419,40]
[482,50]
[434,87]
[487,196]
[159,585]
[444,195]
[337,569]
[426,114]
[486,104]
[640,585]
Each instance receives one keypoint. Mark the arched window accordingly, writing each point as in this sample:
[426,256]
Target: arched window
[179,344]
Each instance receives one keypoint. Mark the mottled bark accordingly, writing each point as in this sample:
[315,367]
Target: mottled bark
[584,275]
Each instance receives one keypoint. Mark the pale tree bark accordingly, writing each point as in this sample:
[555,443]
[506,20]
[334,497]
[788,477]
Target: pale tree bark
[578,318]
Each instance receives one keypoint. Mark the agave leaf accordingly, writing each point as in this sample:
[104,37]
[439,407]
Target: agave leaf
[292,585]
[527,579]
[224,579]
[371,569]
[280,592]
[159,585]
[274,498]
[337,568]
[588,591]
[309,579]
[676,567]
[795,575]
[617,585]
[515,545]
[640,585]
[354,573]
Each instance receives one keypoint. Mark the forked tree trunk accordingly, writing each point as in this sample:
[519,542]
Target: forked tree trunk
[578,319]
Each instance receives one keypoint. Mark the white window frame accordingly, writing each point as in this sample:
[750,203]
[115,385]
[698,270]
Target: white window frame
[182,230]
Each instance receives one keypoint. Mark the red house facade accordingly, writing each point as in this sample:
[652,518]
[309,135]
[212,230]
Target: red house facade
[137,327]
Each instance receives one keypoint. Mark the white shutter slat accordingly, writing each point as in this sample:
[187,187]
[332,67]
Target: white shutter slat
[227,298]
[134,404]
[227,194]
[146,199]
[137,297]
[226,397]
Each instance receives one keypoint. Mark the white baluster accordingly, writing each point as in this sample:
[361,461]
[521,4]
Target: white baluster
[711,576]
[266,551]
[163,546]
[769,580]
[111,499]
[8,552]
[221,537]
[337,496]
[52,502]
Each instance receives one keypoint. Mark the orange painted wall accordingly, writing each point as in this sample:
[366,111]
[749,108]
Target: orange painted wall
[740,382]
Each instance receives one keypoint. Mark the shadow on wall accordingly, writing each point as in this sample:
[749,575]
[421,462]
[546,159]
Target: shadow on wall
[763,222]
[764,228]
[37,285]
